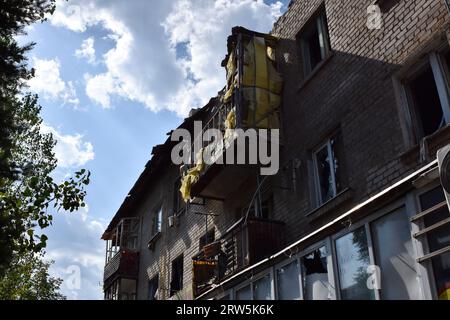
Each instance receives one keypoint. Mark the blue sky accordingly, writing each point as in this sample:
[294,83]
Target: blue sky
[113,78]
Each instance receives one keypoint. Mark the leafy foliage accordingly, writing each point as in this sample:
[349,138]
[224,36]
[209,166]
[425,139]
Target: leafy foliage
[28,193]
[28,279]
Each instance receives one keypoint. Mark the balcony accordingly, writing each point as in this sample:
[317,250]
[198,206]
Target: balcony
[124,264]
[251,100]
[247,242]
[214,179]
[122,254]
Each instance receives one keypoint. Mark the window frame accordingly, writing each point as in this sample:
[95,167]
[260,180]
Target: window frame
[408,202]
[249,282]
[157,221]
[325,243]
[409,206]
[428,280]
[412,127]
[318,191]
[156,276]
[292,259]
[171,291]
[319,22]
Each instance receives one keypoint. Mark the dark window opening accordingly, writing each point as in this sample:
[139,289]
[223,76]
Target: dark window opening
[206,239]
[427,106]
[176,284]
[153,288]
[386,5]
[314,42]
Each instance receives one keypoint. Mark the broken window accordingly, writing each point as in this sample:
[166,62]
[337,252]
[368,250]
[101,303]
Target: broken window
[314,42]
[315,275]
[328,171]
[153,288]
[176,284]
[157,222]
[427,92]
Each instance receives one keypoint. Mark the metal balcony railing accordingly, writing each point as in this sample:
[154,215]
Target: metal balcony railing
[248,241]
[125,263]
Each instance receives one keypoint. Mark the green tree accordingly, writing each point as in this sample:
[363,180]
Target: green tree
[27,278]
[28,193]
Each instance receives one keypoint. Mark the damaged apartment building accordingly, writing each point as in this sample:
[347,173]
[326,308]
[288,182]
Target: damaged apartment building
[357,209]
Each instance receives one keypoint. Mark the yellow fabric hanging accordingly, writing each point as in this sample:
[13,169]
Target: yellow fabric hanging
[192,176]
[271,53]
[230,121]
[261,85]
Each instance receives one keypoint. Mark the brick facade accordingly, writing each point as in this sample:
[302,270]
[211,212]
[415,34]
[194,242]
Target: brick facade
[353,92]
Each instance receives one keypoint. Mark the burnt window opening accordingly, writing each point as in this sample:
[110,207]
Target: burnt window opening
[328,170]
[314,42]
[176,283]
[178,202]
[153,284]
[207,238]
[427,106]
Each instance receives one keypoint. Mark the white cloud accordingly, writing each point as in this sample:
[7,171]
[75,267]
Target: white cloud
[87,51]
[144,66]
[48,83]
[100,87]
[70,150]
[74,243]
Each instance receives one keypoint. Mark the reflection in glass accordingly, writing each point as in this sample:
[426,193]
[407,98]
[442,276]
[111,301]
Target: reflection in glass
[353,260]
[315,275]
[244,293]
[287,282]
[394,255]
[262,289]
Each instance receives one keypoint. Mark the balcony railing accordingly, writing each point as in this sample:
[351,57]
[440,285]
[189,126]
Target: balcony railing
[216,121]
[122,256]
[251,99]
[245,243]
[124,264]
